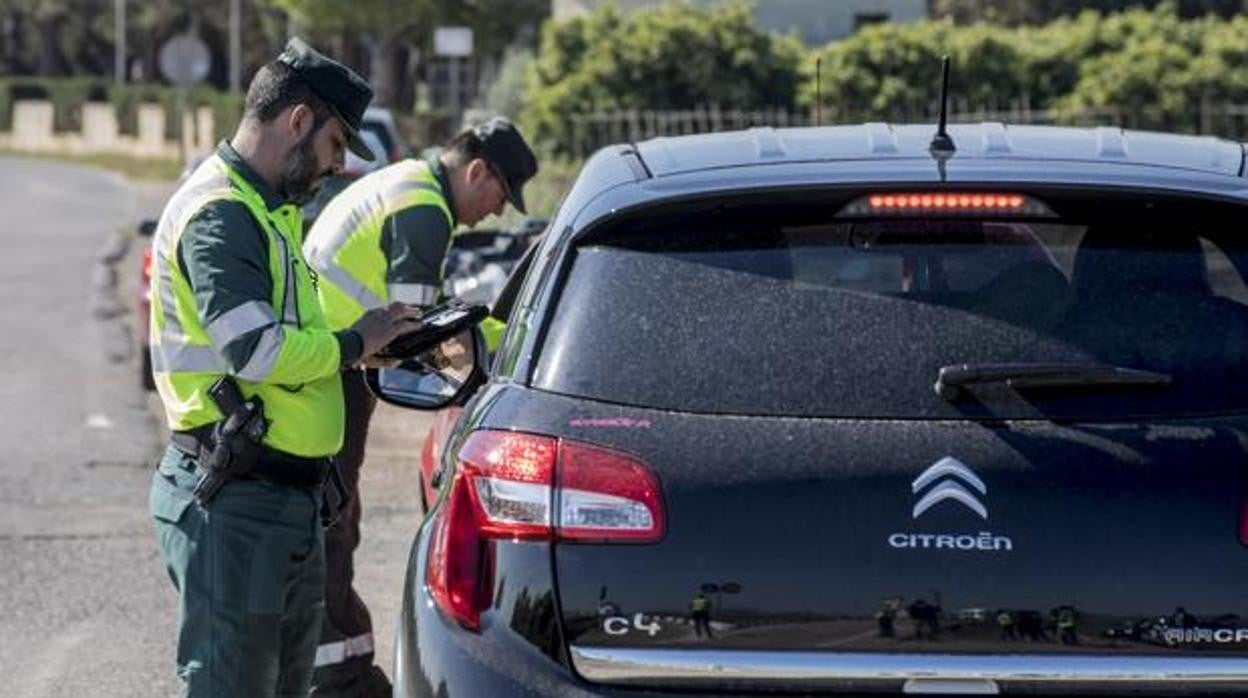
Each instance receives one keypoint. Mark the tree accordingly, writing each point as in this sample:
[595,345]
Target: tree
[892,71]
[1034,12]
[55,37]
[75,37]
[676,56]
[397,35]
[1162,69]
[384,23]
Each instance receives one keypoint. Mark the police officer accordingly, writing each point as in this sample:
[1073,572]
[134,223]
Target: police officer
[700,613]
[232,296]
[383,239]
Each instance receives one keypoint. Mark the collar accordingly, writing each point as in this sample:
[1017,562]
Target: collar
[444,181]
[226,152]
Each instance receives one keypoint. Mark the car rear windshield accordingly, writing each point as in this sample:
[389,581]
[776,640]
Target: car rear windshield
[858,318]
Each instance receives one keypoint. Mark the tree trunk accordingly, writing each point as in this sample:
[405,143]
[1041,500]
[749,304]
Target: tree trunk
[50,60]
[382,70]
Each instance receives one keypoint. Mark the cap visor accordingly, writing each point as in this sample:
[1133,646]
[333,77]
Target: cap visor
[354,142]
[514,195]
[358,146]
[517,200]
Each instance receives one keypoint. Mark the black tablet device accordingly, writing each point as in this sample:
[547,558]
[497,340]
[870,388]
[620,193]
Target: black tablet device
[437,325]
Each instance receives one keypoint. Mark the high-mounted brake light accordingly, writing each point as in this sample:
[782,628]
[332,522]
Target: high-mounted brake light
[910,204]
[516,486]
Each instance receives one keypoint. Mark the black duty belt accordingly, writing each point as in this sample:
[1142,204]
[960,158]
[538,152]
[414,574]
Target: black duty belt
[273,466]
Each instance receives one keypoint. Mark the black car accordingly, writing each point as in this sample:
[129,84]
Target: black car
[826,410]
[479,261]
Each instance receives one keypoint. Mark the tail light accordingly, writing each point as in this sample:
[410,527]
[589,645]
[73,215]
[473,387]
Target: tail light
[515,486]
[146,289]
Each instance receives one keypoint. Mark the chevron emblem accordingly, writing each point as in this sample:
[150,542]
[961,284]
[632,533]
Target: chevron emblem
[952,479]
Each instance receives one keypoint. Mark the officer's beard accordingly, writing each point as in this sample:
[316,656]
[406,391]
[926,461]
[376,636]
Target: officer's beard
[301,178]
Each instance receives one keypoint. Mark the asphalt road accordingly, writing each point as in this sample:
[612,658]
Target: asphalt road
[87,608]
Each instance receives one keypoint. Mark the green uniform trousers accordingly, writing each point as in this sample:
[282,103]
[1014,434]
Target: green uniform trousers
[250,571]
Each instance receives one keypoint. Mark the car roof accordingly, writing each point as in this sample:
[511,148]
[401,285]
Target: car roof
[985,141]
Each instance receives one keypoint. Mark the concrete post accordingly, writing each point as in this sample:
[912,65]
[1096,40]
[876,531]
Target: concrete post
[99,127]
[32,125]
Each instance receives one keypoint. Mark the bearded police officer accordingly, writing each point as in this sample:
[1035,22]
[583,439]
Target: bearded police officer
[384,239]
[234,311]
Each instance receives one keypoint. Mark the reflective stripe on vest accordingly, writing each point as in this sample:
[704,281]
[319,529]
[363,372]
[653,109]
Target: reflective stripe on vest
[344,246]
[306,419]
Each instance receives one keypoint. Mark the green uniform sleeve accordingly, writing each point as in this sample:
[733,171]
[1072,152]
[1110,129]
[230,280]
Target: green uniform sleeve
[414,241]
[225,256]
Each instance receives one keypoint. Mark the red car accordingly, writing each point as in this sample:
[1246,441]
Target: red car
[145,230]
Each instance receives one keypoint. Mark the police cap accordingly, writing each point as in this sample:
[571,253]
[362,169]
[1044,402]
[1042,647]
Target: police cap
[346,93]
[504,148]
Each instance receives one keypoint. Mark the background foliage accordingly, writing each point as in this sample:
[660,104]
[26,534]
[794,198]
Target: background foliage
[1151,60]
[1156,63]
[664,58]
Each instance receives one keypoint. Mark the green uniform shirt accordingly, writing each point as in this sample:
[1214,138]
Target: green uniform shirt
[415,239]
[228,268]
[383,239]
[232,295]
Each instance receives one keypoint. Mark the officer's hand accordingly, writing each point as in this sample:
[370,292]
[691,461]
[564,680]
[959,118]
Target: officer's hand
[379,326]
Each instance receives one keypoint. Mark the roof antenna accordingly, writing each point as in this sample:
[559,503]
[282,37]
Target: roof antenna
[819,91]
[942,145]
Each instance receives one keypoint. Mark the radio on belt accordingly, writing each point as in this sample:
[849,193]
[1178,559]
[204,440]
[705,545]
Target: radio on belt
[436,326]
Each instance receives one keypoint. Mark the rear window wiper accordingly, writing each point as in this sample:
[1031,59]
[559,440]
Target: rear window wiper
[953,378]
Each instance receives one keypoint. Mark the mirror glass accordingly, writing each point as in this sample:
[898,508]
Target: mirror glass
[432,379]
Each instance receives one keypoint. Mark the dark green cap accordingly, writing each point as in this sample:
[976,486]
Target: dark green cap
[504,148]
[346,93]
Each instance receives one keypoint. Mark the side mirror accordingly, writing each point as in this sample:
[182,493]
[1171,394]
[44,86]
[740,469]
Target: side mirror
[446,375]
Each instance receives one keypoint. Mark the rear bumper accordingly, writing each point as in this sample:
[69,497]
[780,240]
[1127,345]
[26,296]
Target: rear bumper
[435,658]
[917,673]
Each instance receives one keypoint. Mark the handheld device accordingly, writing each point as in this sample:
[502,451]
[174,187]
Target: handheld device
[439,324]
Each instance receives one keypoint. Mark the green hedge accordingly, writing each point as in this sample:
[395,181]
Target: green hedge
[1140,62]
[1143,68]
[68,95]
[674,56]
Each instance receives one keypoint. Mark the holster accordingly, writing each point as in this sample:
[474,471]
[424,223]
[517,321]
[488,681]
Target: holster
[236,440]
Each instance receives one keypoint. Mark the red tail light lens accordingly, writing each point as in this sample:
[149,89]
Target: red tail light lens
[504,488]
[606,496]
[147,264]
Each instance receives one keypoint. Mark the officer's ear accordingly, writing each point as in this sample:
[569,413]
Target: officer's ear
[476,171]
[300,120]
